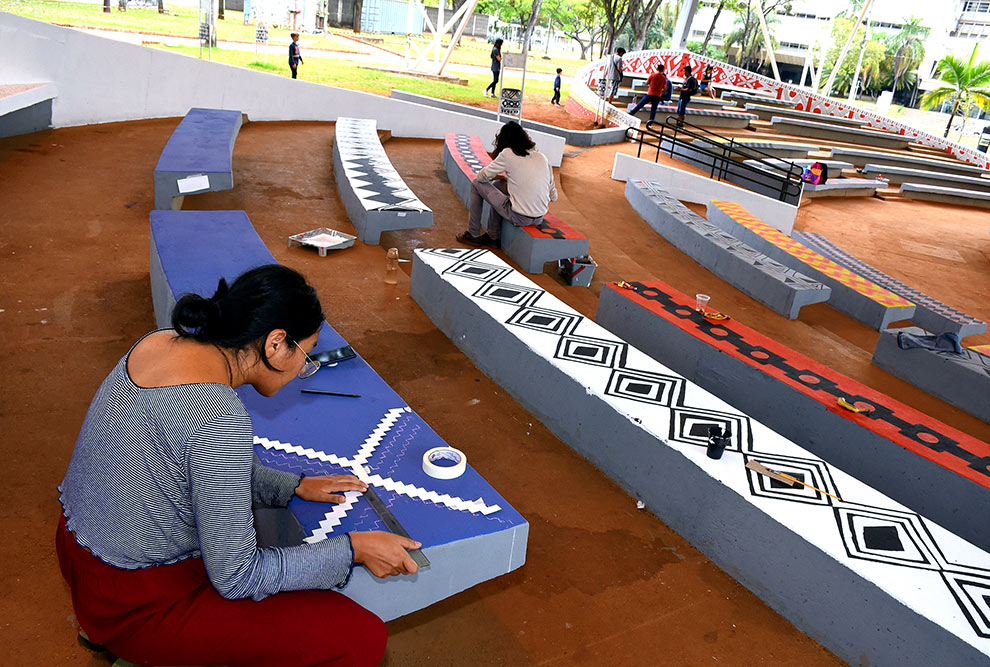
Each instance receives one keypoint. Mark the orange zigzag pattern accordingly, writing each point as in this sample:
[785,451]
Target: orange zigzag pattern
[865,287]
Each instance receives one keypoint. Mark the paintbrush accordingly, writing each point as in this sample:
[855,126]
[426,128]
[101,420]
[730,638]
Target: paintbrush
[783,477]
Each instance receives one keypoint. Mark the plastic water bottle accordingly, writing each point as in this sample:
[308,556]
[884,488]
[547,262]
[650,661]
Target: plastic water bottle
[392,266]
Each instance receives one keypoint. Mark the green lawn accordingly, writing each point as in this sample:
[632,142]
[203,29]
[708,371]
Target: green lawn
[348,75]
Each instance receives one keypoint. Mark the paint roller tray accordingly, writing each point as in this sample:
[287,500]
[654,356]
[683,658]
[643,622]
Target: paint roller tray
[323,239]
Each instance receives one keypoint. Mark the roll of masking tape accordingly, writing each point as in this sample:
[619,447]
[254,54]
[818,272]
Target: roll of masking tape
[444,462]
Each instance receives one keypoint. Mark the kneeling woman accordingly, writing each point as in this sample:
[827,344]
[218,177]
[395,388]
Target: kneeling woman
[156,538]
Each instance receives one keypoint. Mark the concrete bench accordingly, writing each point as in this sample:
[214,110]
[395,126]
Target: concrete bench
[740,99]
[767,112]
[197,157]
[863,137]
[960,379]
[26,107]
[929,313]
[861,299]
[704,117]
[375,196]
[865,576]
[464,155]
[844,187]
[918,461]
[860,157]
[834,166]
[780,181]
[779,288]
[469,532]
[778,149]
[946,195]
[898,175]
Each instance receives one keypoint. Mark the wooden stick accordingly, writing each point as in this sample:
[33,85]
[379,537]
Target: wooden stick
[785,478]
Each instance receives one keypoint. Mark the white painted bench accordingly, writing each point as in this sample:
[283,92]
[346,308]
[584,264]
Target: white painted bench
[375,196]
[865,576]
[946,195]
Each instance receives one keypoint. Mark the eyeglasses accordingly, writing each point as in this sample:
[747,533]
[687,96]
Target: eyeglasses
[311,365]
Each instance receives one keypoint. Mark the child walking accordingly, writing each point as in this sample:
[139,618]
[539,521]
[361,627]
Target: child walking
[556,89]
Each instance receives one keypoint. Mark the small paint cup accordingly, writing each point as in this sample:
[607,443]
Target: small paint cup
[702,302]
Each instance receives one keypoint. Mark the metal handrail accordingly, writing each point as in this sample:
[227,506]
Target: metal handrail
[723,152]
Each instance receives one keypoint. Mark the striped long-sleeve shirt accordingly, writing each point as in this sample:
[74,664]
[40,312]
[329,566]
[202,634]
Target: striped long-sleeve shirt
[162,474]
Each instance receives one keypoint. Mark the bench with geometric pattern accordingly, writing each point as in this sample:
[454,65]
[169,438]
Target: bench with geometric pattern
[929,313]
[531,247]
[375,196]
[779,288]
[861,299]
[936,470]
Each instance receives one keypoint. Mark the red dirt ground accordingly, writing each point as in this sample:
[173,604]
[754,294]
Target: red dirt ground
[604,583]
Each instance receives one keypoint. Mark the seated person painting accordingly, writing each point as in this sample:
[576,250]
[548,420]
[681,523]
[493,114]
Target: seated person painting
[156,538]
[518,183]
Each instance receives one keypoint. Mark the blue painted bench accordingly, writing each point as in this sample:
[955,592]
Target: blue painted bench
[375,196]
[929,313]
[960,379]
[779,288]
[865,576]
[197,157]
[934,469]
[464,155]
[469,532]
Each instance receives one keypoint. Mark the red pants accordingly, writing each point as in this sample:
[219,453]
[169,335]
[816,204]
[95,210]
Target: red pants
[172,615]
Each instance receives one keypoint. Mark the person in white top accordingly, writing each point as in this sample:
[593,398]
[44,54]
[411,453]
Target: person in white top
[518,183]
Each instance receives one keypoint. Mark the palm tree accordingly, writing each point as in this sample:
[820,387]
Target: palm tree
[965,84]
[908,47]
[746,34]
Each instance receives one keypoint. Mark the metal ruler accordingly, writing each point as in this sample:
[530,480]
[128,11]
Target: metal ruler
[393,525]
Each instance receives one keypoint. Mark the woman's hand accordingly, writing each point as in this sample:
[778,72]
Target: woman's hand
[326,489]
[384,554]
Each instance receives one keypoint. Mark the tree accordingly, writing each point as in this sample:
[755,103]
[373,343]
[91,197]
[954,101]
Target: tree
[732,6]
[908,48]
[965,84]
[616,18]
[642,14]
[580,20]
[747,34]
[875,59]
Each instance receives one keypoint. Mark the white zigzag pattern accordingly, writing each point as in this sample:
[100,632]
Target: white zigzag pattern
[334,517]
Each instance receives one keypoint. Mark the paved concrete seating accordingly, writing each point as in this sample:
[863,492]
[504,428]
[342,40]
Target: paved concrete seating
[779,149]
[927,177]
[767,112]
[863,137]
[740,99]
[929,313]
[702,116]
[867,577]
[947,195]
[834,166]
[779,288]
[464,155]
[960,379]
[469,532]
[375,196]
[862,156]
[861,299]
[26,107]
[197,157]
[844,187]
[934,469]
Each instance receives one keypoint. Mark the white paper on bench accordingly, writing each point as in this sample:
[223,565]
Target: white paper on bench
[195,183]
[920,587]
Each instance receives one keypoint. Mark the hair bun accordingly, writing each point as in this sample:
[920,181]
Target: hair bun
[194,314]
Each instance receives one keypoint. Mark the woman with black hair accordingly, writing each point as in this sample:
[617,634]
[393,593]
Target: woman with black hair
[496,67]
[156,537]
[518,183]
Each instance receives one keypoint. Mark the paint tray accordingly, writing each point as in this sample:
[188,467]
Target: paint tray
[323,239]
